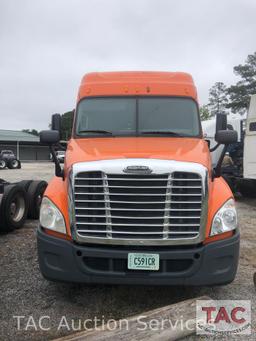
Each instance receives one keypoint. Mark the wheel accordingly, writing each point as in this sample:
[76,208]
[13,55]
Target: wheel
[13,164]
[2,164]
[25,184]
[13,208]
[247,188]
[35,194]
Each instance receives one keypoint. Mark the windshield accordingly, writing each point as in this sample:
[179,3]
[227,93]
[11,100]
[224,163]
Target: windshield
[176,116]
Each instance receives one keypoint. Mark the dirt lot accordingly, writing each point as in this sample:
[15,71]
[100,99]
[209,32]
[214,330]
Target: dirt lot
[24,292]
[34,171]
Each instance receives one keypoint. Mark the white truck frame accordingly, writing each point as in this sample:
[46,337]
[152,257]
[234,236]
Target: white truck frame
[246,130]
[250,142]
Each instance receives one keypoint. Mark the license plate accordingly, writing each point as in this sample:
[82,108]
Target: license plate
[143,261]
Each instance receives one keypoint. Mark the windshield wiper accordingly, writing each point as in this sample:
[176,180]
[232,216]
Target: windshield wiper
[106,132]
[165,132]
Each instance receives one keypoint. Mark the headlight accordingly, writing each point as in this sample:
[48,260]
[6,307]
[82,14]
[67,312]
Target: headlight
[50,216]
[225,219]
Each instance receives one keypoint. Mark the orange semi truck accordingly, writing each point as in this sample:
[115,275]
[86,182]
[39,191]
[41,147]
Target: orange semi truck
[138,201]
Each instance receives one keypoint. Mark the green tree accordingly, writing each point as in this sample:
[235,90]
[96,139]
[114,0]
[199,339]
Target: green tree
[31,131]
[204,113]
[218,99]
[239,94]
[66,125]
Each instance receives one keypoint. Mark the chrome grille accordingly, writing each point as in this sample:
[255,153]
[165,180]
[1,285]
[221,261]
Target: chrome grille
[138,207]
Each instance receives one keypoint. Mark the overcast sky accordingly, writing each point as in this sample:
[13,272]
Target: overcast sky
[46,46]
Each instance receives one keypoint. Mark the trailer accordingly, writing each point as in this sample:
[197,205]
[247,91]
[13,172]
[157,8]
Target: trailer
[250,142]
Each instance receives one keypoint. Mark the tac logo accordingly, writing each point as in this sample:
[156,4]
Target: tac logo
[224,317]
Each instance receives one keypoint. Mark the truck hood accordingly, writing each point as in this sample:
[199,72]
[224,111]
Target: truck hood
[165,148]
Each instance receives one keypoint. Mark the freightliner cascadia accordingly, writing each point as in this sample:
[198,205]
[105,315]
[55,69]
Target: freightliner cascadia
[138,200]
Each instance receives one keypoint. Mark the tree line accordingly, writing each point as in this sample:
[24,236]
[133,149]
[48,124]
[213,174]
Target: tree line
[234,98]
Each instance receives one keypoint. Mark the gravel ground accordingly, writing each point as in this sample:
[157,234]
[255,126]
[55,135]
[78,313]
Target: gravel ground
[24,292]
[33,171]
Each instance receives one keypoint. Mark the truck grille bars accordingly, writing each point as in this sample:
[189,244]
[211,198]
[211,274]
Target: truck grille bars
[150,209]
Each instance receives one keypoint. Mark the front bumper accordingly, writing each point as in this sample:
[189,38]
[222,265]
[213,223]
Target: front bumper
[211,264]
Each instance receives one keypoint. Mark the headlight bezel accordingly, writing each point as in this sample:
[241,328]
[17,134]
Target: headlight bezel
[56,222]
[220,223]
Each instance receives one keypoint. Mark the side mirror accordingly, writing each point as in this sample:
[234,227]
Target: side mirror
[221,122]
[49,137]
[226,136]
[56,122]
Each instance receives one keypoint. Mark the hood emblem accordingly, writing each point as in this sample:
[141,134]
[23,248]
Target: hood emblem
[137,170]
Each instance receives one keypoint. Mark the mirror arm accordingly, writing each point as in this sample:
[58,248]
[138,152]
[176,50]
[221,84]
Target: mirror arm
[58,171]
[60,147]
[215,147]
[217,170]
